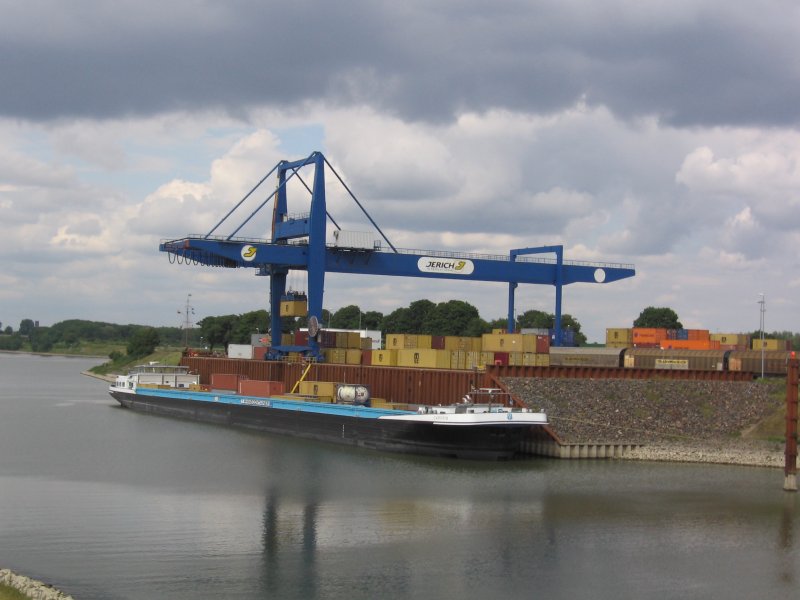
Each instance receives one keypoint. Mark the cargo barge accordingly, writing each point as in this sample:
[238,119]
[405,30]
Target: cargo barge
[469,429]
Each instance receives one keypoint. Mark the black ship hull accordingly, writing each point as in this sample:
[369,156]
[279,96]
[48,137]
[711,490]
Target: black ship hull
[484,442]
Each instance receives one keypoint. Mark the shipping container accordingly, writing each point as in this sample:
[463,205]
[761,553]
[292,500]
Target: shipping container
[293,308]
[467,344]
[260,352]
[586,357]
[384,358]
[254,387]
[487,358]
[697,360]
[423,358]
[327,338]
[398,341]
[690,344]
[287,339]
[500,358]
[458,359]
[473,360]
[648,335]
[773,345]
[336,356]
[240,351]
[732,339]
[509,342]
[226,381]
[698,334]
[619,337]
[259,339]
[301,337]
[325,389]
[352,356]
[437,342]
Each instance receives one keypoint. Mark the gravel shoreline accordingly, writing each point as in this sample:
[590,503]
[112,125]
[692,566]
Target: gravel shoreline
[667,420]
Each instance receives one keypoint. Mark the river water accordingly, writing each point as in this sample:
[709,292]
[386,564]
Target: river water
[106,503]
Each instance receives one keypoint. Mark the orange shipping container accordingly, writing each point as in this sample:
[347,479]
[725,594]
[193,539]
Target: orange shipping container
[648,335]
[226,381]
[254,387]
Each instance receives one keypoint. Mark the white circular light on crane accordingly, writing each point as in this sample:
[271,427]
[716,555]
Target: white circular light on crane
[599,275]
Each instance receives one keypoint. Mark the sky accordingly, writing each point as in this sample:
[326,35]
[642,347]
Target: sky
[663,134]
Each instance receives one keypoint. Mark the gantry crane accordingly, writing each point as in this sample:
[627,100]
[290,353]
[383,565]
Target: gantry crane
[299,243]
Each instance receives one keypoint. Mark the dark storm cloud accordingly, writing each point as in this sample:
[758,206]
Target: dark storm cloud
[692,63]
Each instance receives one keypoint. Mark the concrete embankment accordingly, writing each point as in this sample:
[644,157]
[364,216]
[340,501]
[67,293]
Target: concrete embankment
[685,421]
[35,590]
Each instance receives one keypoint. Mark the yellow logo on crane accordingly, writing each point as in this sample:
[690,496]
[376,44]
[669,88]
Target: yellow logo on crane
[249,252]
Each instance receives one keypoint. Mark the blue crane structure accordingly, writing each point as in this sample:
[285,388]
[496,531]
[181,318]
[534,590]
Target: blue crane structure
[299,243]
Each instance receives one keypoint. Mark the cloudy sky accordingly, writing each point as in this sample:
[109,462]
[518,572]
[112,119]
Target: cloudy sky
[664,134]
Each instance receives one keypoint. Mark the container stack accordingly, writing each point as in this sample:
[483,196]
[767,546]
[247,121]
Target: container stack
[666,339]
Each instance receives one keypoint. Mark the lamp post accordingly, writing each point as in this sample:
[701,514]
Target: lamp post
[763,309]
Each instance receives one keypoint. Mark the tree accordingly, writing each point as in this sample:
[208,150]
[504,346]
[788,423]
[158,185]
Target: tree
[347,317]
[143,342]
[217,330]
[371,320]
[535,319]
[449,318]
[26,327]
[8,330]
[665,318]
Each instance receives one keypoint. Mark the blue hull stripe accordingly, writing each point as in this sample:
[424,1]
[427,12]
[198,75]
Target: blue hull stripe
[344,410]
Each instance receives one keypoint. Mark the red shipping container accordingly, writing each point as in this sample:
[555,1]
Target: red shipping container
[542,344]
[437,342]
[259,352]
[327,338]
[300,338]
[263,389]
[501,358]
[366,357]
[226,381]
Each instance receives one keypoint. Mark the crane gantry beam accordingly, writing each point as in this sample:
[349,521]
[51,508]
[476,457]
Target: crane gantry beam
[299,243]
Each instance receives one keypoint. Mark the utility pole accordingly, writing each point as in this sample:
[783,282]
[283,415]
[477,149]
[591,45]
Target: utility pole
[790,453]
[763,303]
[186,325]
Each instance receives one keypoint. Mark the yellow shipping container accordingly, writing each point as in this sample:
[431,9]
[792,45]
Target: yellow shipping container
[731,339]
[542,360]
[769,344]
[508,342]
[293,308]
[352,356]
[458,359]
[618,344]
[423,358]
[287,339]
[384,358]
[617,337]
[336,356]
[474,360]
[424,341]
[515,359]
[487,358]
[398,341]
[318,388]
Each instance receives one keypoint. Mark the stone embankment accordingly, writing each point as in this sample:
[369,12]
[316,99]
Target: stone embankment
[687,421]
[35,590]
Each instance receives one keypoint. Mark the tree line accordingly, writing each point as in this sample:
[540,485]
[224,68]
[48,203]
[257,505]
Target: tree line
[453,317]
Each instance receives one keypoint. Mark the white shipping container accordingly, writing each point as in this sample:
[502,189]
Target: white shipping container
[240,351]
[259,339]
[361,240]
